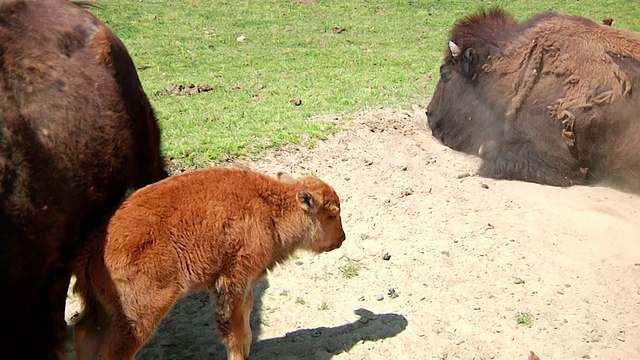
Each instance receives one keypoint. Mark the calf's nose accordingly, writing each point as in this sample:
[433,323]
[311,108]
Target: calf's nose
[339,242]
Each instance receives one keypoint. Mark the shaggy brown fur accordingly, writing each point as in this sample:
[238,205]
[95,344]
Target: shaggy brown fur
[557,40]
[549,100]
[76,131]
[218,229]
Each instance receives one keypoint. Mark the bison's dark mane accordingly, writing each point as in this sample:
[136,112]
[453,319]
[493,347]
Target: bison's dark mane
[486,30]
[483,30]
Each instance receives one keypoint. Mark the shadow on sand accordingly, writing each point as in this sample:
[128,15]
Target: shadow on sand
[189,332]
[323,343]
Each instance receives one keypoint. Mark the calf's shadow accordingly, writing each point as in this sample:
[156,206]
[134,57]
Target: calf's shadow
[189,332]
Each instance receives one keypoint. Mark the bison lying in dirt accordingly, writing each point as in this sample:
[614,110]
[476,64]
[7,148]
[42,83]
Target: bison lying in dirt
[550,100]
[76,131]
[218,229]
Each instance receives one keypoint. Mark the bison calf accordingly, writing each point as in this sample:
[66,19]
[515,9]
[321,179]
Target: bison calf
[218,229]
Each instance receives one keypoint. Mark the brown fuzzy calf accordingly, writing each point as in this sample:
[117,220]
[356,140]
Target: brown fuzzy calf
[218,229]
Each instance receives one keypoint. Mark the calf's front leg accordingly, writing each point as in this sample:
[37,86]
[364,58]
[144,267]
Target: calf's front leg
[230,310]
[248,334]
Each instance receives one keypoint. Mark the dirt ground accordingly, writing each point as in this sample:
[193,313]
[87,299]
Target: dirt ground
[465,256]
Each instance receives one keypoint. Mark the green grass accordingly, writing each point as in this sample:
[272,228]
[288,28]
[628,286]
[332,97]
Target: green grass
[350,269]
[524,318]
[388,56]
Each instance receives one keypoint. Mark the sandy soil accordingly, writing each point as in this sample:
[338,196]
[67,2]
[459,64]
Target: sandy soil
[466,255]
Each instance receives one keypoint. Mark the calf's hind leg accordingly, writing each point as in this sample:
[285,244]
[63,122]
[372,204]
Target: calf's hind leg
[127,335]
[90,331]
[138,313]
[123,340]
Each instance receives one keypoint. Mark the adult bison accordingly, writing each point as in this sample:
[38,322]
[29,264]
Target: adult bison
[76,131]
[550,100]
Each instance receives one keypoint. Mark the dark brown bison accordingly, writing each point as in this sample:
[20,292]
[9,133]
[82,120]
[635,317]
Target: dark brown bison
[216,229]
[76,131]
[550,100]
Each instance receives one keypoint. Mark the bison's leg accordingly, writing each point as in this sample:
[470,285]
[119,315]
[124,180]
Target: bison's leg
[59,286]
[33,295]
[521,159]
[46,318]
[230,317]
[248,334]
[48,325]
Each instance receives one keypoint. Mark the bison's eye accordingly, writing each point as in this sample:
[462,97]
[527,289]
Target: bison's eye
[331,217]
[445,74]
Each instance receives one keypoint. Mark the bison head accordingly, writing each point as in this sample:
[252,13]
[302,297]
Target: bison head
[462,113]
[458,114]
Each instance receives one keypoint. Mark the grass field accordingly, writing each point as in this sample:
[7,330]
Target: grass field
[337,57]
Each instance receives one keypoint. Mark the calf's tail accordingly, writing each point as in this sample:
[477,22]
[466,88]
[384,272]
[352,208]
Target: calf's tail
[92,329]
[79,267]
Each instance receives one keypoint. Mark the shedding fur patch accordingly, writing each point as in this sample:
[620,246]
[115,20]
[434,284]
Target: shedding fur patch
[576,49]
[101,45]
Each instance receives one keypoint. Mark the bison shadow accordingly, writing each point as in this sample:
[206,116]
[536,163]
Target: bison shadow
[189,332]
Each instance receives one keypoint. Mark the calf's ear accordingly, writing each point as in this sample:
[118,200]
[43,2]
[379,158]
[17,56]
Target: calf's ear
[283,176]
[306,201]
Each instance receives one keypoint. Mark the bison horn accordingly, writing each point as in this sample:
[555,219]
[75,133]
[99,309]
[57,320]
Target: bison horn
[455,50]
